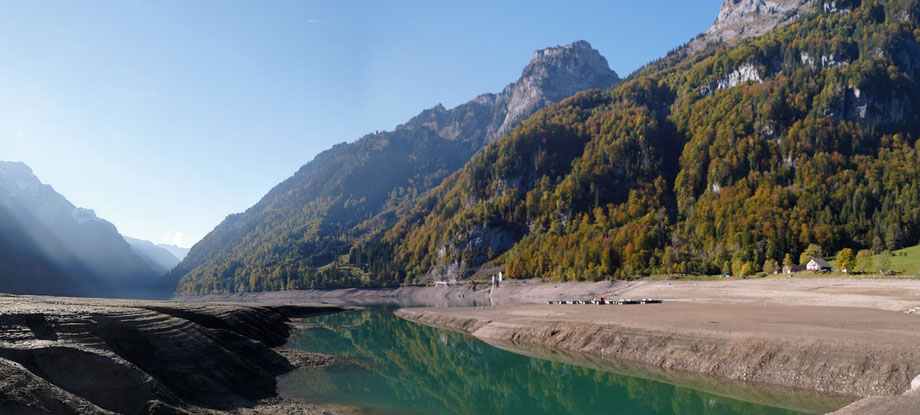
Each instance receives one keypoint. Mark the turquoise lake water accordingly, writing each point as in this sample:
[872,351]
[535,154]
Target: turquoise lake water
[391,366]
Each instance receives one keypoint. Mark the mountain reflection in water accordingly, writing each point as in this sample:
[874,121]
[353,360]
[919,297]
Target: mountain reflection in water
[393,366]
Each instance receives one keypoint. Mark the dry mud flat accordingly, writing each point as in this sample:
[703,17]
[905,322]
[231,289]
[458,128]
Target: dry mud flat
[837,351]
[458,295]
[93,356]
[883,294]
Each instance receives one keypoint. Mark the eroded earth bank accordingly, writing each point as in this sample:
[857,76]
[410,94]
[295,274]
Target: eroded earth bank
[92,356]
[865,344]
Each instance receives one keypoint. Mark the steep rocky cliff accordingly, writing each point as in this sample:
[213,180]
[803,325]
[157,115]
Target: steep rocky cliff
[553,74]
[742,19]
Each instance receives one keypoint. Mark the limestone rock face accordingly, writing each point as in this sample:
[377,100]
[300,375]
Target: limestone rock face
[553,74]
[741,19]
[855,104]
[744,73]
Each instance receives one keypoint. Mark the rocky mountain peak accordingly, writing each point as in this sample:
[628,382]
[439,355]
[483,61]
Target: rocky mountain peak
[359,183]
[555,54]
[14,167]
[553,74]
[18,175]
[741,19]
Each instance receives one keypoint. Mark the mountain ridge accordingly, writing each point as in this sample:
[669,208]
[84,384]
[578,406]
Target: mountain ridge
[54,247]
[309,220]
[724,160]
[158,258]
[177,251]
[720,162]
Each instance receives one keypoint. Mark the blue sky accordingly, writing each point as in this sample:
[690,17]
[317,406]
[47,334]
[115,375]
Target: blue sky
[166,116]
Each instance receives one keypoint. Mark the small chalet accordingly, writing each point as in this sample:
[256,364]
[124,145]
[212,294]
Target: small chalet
[818,265]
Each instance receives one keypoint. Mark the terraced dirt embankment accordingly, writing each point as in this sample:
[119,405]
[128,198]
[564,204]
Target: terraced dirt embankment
[92,356]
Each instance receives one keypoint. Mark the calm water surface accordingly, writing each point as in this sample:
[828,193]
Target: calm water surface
[392,366]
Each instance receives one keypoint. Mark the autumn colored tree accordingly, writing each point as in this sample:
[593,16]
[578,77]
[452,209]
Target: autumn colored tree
[846,259]
[746,269]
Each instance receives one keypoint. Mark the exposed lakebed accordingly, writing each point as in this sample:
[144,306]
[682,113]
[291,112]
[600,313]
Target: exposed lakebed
[392,366]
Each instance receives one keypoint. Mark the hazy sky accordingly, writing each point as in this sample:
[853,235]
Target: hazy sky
[166,116]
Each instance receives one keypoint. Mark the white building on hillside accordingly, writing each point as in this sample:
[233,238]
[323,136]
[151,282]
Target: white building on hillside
[818,265]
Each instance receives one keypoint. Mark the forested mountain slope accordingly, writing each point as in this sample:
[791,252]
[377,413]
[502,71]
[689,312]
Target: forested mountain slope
[723,158]
[307,222]
[711,162]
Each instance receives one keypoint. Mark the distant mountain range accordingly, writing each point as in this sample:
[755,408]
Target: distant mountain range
[309,221]
[49,246]
[158,257]
[177,251]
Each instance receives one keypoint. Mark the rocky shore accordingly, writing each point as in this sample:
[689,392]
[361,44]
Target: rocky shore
[848,353]
[93,356]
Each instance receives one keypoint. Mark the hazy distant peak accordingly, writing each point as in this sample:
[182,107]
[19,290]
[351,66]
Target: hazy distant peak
[72,250]
[19,185]
[160,259]
[18,174]
[85,217]
[15,167]
[177,251]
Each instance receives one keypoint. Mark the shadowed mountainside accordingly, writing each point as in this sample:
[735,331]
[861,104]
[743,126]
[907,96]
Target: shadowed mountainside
[49,246]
